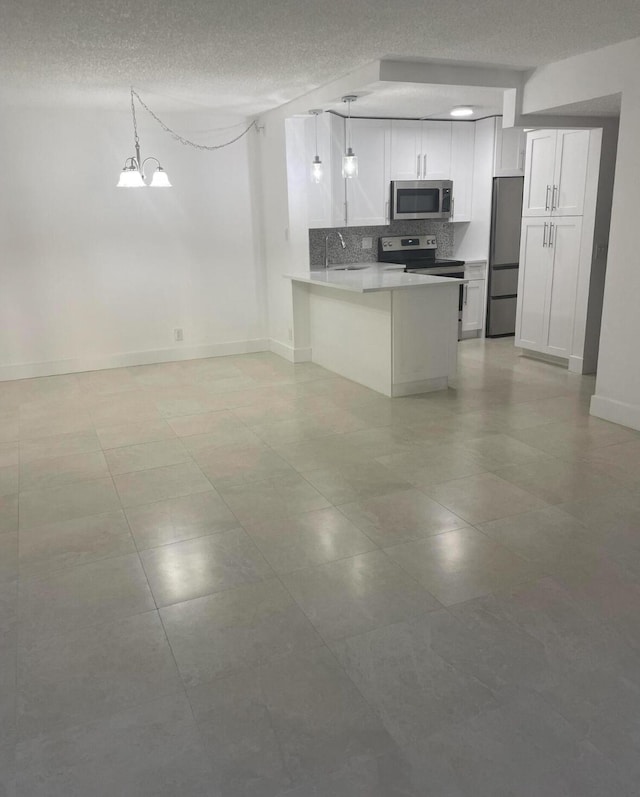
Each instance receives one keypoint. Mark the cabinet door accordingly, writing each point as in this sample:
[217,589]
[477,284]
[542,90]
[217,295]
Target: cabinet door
[319,195]
[473,306]
[564,248]
[510,148]
[570,177]
[436,150]
[539,173]
[463,135]
[534,273]
[406,153]
[338,188]
[368,193]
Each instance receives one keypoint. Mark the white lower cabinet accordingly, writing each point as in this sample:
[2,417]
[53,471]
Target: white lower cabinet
[473,298]
[548,283]
[473,306]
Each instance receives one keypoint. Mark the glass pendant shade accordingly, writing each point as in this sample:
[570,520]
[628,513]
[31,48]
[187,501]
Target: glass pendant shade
[160,179]
[349,164]
[316,169]
[130,177]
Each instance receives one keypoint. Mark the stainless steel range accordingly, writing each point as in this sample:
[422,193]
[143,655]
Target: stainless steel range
[418,254]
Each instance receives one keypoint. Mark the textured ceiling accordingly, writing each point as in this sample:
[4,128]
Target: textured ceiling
[250,55]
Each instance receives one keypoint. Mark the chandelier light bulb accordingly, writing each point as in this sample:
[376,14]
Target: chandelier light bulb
[130,177]
[316,169]
[160,179]
[349,164]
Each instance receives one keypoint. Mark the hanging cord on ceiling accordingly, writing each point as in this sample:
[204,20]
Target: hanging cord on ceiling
[177,136]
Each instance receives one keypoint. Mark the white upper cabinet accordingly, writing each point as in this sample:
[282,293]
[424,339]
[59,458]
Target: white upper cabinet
[572,153]
[368,194]
[539,174]
[420,150]
[463,136]
[406,149]
[436,150]
[509,152]
[555,172]
[325,200]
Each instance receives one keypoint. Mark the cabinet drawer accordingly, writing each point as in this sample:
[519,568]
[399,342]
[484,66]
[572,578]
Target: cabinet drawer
[504,282]
[474,272]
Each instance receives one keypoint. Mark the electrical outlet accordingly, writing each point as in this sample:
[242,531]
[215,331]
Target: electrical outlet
[367,243]
[178,335]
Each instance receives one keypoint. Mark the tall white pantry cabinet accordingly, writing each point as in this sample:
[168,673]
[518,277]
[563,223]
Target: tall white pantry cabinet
[561,264]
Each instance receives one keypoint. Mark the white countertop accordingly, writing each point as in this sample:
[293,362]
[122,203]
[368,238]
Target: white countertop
[370,279]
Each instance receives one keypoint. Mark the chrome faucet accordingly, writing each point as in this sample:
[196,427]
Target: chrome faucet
[326,246]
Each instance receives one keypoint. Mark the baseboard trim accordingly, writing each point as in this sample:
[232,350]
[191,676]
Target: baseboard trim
[423,386]
[552,359]
[616,411]
[576,365]
[290,353]
[80,364]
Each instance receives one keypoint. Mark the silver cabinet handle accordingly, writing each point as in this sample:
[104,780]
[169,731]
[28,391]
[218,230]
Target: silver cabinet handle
[424,167]
[554,205]
[546,199]
[466,293]
[386,211]
[418,168]
[521,161]
[551,234]
[453,206]
[544,234]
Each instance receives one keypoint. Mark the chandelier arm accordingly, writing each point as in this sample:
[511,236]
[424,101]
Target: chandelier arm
[177,136]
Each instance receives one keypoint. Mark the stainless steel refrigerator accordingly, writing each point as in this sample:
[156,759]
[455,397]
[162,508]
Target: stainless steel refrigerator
[506,220]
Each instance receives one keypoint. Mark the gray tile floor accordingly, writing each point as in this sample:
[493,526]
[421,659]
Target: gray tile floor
[240,577]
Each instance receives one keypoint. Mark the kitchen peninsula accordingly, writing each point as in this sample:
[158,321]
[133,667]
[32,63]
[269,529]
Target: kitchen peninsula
[394,332]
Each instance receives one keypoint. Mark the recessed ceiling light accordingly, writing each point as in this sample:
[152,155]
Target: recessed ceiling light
[462,110]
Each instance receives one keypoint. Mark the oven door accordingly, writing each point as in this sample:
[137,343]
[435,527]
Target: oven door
[421,199]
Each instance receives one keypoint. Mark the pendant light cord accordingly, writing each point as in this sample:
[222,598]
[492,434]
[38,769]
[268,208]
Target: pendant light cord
[177,136]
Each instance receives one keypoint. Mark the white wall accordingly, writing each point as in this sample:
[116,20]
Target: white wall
[611,70]
[93,276]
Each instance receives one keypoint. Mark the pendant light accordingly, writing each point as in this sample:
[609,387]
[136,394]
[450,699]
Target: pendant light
[349,159]
[316,166]
[132,175]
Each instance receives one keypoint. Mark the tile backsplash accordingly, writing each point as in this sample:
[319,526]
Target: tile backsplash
[354,253]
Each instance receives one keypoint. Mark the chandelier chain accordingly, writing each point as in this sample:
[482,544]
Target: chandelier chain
[135,123]
[176,136]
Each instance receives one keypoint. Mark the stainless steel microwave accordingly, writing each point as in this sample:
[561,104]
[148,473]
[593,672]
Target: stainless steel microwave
[421,199]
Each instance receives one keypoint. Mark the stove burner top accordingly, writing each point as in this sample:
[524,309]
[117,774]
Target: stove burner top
[413,252]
